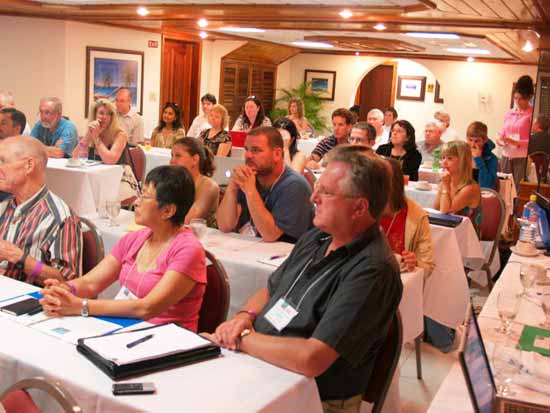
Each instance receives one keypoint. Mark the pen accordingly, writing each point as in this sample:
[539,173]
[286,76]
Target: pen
[139,341]
[274,257]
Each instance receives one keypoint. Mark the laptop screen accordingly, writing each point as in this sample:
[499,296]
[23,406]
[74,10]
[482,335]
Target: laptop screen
[475,365]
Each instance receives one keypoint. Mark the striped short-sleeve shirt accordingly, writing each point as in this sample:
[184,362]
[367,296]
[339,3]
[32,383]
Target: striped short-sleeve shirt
[324,146]
[45,228]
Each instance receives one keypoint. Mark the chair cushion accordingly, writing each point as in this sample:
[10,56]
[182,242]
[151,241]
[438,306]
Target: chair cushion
[213,302]
[491,212]
[19,401]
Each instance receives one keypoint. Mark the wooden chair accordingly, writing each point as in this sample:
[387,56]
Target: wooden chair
[137,162]
[93,249]
[215,303]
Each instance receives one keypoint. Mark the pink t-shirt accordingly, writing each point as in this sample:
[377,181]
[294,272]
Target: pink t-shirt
[517,122]
[184,255]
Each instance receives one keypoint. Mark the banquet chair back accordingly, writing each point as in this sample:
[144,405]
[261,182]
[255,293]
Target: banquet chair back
[541,161]
[16,398]
[93,249]
[137,162]
[385,365]
[493,214]
[215,302]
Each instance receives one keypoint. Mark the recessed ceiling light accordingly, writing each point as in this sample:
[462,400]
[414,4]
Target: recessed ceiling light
[467,50]
[356,53]
[242,30]
[470,44]
[203,35]
[305,43]
[430,35]
[528,47]
[380,27]
[345,14]
[202,22]
[142,11]
[470,59]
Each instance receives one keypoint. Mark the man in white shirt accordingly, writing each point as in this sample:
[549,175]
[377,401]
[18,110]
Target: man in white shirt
[447,133]
[131,122]
[375,117]
[390,116]
[201,122]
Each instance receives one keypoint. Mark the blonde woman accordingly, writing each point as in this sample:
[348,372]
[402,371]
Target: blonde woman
[296,114]
[458,192]
[217,138]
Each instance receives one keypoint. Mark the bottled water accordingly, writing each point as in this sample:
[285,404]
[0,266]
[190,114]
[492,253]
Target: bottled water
[529,221]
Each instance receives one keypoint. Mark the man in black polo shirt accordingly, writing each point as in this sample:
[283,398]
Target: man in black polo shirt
[327,309]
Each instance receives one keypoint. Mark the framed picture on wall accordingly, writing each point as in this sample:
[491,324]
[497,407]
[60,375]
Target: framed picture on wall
[107,70]
[322,82]
[411,88]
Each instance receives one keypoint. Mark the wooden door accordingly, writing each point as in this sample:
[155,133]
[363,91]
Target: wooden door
[377,89]
[180,77]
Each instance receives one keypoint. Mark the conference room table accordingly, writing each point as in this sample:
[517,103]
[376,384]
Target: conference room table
[83,188]
[234,382]
[308,145]
[452,396]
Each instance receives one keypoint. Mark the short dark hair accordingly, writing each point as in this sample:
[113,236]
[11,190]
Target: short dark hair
[397,194]
[477,129]
[174,185]
[274,138]
[410,144]
[371,131]
[393,111]
[195,147]
[210,98]
[18,118]
[343,113]
[524,86]
[288,125]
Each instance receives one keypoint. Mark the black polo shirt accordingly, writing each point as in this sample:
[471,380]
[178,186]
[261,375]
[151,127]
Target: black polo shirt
[356,293]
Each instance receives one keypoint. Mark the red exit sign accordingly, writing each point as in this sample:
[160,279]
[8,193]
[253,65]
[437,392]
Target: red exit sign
[153,44]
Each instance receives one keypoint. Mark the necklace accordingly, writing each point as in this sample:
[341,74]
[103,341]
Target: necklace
[391,224]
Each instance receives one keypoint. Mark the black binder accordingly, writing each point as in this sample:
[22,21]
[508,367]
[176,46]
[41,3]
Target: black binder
[118,372]
[444,220]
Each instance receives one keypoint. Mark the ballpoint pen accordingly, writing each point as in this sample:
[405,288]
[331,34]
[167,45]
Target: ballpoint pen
[139,341]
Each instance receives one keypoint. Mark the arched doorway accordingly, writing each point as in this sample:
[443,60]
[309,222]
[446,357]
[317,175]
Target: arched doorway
[377,89]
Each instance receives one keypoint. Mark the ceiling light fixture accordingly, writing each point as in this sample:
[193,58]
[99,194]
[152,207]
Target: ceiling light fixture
[242,30]
[430,35]
[305,43]
[528,47]
[202,22]
[467,50]
[356,53]
[203,35]
[345,14]
[142,11]
[380,27]
[470,59]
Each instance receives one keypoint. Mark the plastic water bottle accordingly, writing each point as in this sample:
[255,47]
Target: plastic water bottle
[436,157]
[529,221]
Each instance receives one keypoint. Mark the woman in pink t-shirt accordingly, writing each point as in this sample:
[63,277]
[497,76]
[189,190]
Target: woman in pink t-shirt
[161,268]
[515,132]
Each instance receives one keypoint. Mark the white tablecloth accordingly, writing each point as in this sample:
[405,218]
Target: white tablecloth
[231,383]
[83,188]
[156,157]
[307,145]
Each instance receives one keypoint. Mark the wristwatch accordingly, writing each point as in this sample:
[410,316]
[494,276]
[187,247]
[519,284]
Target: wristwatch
[20,265]
[85,311]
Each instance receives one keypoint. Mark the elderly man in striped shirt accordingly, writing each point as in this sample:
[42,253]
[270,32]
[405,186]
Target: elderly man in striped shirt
[40,236]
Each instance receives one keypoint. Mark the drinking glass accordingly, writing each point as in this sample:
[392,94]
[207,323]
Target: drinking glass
[507,307]
[113,209]
[527,276]
[198,225]
[545,301]
[506,363]
[102,210]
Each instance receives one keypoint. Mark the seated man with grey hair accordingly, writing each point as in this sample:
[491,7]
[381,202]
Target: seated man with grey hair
[326,311]
[40,236]
[375,117]
[53,130]
[7,100]
[432,140]
[447,133]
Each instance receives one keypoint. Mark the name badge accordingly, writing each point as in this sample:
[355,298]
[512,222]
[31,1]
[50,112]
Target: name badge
[248,229]
[125,294]
[281,314]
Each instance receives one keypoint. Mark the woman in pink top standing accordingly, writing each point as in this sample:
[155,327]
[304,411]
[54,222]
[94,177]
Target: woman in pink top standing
[514,135]
[161,269]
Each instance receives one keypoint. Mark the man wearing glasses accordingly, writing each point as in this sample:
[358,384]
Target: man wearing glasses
[40,236]
[326,311]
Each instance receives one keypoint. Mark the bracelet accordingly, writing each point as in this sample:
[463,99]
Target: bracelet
[249,312]
[72,287]
[36,271]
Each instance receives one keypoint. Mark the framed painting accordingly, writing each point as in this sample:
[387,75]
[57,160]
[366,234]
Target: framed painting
[321,82]
[108,70]
[411,88]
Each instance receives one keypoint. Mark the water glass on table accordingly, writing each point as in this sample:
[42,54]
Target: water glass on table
[198,225]
[113,209]
[507,306]
[528,276]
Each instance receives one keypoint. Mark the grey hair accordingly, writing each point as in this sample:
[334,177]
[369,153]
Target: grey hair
[27,146]
[438,124]
[444,115]
[6,98]
[379,114]
[57,105]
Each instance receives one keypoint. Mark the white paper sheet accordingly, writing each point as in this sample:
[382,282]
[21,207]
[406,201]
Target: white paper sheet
[70,329]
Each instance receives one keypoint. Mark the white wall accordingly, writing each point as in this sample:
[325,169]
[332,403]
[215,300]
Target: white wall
[48,58]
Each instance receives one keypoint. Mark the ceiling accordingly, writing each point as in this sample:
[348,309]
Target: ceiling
[500,27]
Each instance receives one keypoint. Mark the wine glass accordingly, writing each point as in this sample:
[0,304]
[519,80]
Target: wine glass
[545,301]
[506,362]
[527,276]
[198,225]
[102,210]
[113,209]
[507,307]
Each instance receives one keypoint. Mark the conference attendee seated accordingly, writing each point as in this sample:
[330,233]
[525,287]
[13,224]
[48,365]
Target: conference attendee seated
[252,115]
[447,133]
[485,161]
[199,161]
[7,100]
[390,116]
[12,122]
[375,117]
[296,113]
[342,121]
[39,235]
[356,111]
[216,137]
[293,157]
[201,122]
[432,140]
[402,147]
[326,311]
[540,139]
[406,225]
[264,197]
[362,134]
[161,268]
[458,193]
[53,130]
[130,121]
[170,127]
